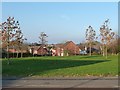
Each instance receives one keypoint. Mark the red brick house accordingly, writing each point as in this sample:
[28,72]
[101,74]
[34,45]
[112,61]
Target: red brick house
[71,48]
[57,51]
[38,50]
[65,49]
[17,51]
[68,48]
[42,51]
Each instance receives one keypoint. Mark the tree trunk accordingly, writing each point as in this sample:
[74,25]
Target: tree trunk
[106,51]
[103,50]
[21,54]
[90,49]
[21,49]
[17,54]
[8,55]
[13,52]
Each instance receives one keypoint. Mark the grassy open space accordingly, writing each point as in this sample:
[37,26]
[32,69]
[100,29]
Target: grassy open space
[71,66]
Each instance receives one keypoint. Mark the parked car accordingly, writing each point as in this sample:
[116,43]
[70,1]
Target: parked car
[83,52]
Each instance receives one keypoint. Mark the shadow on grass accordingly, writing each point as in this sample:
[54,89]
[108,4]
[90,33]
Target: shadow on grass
[38,67]
[23,68]
[93,56]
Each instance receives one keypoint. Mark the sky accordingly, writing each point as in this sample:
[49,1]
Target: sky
[61,21]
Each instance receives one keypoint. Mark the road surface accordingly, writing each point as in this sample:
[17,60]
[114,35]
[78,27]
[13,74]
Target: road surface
[111,82]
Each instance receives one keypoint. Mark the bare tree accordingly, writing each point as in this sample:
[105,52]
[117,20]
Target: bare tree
[19,40]
[43,37]
[106,36]
[8,31]
[43,40]
[90,37]
[113,47]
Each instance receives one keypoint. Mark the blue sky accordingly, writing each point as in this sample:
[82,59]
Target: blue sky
[59,20]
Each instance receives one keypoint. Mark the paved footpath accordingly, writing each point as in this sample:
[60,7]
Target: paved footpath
[83,82]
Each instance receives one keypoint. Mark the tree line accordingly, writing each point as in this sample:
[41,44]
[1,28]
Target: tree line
[11,35]
[109,39]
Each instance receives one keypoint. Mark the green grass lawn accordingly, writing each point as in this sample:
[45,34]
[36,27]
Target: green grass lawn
[72,66]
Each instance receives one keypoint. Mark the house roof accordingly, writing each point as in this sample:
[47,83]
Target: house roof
[82,47]
[59,45]
[68,42]
[62,45]
[37,47]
